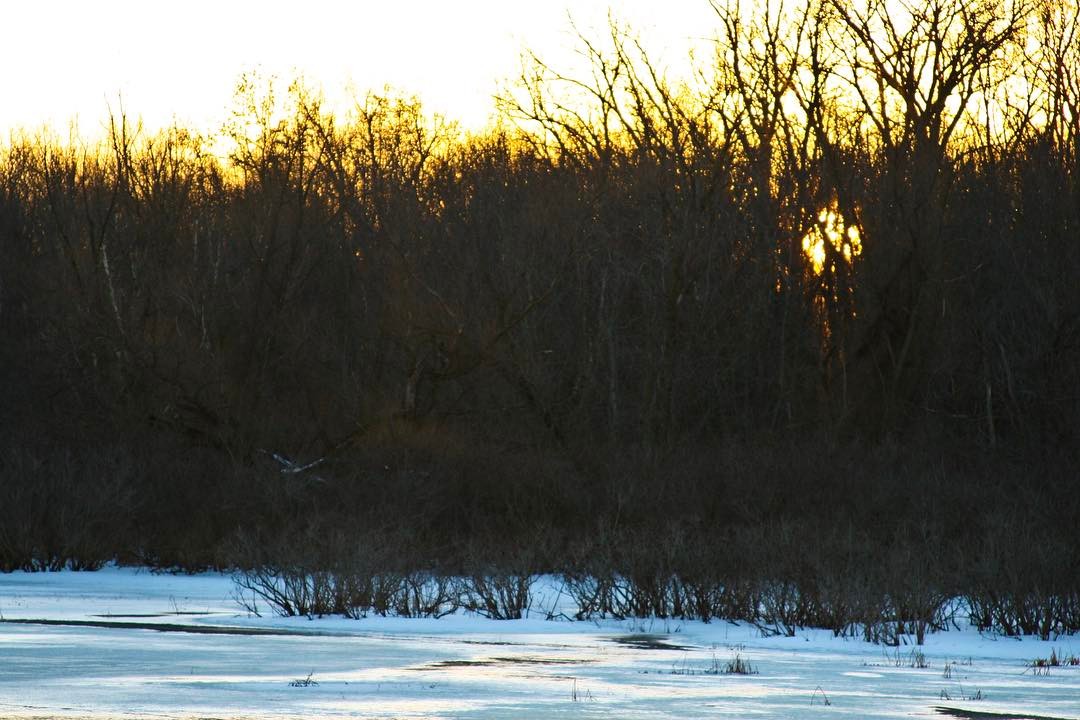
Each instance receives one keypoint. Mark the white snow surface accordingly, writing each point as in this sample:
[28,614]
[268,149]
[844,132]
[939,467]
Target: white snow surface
[464,666]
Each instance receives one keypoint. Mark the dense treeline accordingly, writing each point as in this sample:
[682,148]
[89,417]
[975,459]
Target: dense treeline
[805,332]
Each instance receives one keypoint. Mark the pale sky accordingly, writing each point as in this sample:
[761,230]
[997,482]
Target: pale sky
[76,58]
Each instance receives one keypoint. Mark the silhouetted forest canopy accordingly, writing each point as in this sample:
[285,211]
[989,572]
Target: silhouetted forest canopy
[801,332]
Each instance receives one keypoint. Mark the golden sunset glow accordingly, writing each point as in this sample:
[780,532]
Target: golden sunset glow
[75,61]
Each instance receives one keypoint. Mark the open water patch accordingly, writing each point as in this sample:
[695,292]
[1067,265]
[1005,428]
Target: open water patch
[648,642]
[511,660]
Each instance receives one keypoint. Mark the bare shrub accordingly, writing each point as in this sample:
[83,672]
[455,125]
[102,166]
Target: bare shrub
[497,594]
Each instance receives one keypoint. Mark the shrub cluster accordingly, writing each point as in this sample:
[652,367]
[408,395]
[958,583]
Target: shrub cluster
[745,538]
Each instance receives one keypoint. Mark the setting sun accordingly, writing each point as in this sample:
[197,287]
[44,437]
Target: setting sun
[831,230]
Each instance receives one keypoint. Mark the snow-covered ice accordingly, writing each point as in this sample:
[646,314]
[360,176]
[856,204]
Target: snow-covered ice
[106,659]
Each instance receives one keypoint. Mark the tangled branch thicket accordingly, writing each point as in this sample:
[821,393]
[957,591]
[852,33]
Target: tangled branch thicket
[589,340]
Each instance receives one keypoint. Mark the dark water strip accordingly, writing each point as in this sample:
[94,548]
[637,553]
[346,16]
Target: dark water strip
[174,627]
[978,715]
